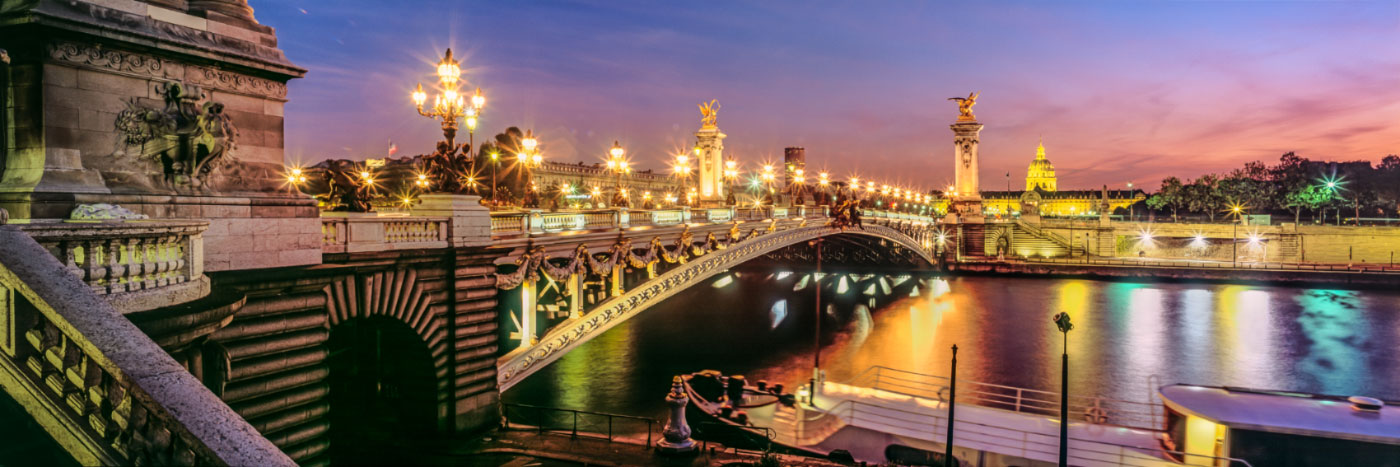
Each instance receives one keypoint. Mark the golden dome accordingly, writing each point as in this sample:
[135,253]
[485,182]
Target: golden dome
[1041,173]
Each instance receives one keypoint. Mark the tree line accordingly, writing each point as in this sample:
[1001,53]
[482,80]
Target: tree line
[1294,185]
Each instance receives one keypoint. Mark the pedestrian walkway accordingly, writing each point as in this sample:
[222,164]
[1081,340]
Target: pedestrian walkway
[532,448]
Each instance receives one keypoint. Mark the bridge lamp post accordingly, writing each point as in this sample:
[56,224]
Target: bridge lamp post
[767,177]
[618,165]
[731,174]
[823,181]
[682,170]
[450,105]
[1061,321]
[495,166]
[529,156]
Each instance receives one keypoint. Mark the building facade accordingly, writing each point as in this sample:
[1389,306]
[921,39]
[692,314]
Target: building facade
[1042,191]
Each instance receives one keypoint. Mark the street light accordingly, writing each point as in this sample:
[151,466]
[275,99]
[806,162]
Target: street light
[1061,320]
[681,169]
[529,156]
[1237,210]
[618,165]
[447,165]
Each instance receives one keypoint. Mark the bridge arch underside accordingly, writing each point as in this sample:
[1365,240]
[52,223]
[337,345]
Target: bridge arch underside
[580,297]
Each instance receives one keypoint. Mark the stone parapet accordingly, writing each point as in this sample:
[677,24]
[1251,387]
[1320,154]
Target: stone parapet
[469,223]
[135,265]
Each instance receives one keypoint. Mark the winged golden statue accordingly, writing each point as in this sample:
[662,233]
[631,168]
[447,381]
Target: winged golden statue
[709,113]
[965,107]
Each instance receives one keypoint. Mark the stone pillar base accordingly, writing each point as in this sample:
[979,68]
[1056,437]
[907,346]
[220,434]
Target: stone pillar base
[470,222]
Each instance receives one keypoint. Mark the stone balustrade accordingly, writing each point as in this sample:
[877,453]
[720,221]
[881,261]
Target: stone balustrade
[351,233]
[354,233]
[101,388]
[135,265]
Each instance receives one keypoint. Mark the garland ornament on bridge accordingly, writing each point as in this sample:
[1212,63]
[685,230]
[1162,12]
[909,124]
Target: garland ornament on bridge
[534,261]
[730,251]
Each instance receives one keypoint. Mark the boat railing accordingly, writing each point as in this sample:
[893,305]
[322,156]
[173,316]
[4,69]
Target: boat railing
[593,424]
[1092,409]
[933,426]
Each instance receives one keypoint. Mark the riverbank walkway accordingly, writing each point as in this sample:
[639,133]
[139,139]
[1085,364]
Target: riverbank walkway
[527,447]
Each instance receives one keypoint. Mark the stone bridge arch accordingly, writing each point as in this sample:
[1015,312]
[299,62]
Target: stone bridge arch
[714,257]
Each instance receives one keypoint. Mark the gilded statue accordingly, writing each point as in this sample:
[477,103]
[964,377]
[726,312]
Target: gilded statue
[709,114]
[965,107]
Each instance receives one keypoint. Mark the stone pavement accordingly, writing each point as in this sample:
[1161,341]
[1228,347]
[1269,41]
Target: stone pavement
[529,448]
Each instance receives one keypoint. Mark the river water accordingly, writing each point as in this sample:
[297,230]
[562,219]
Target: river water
[759,323]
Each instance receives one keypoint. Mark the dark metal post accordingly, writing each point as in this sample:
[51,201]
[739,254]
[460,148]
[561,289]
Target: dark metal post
[1064,404]
[817,339]
[952,397]
[1062,322]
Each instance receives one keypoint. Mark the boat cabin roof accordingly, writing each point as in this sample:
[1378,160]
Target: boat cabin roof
[1285,412]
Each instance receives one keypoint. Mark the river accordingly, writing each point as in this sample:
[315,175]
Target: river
[759,323]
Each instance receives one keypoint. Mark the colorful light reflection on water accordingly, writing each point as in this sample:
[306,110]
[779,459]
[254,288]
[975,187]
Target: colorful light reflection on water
[1300,339]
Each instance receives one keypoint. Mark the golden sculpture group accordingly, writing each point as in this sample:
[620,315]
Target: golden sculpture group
[965,107]
[709,113]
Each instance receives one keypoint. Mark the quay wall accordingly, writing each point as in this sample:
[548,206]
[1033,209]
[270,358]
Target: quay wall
[1149,273]
[1275,243]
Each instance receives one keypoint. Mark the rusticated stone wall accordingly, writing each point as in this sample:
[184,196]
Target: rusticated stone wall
[269,362]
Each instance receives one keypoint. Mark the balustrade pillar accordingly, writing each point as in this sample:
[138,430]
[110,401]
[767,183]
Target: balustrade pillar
[623,219]
[535,222]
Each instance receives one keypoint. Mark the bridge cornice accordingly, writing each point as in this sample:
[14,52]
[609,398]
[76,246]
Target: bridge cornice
[518,365]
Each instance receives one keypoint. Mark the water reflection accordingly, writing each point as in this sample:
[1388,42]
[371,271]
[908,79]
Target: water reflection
[760,323]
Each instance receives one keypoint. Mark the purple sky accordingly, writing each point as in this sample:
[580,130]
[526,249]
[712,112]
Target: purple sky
[1120,91]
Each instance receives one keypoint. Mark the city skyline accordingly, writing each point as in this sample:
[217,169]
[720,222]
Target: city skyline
[1120,93]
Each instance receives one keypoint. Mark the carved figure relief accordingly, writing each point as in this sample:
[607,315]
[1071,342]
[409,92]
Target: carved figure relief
[186,141]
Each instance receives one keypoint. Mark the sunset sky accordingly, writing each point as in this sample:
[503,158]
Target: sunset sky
[1120,91]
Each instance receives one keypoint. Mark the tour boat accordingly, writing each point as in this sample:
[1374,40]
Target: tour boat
[893,416]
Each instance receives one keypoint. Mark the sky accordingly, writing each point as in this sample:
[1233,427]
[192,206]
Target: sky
[1119,91]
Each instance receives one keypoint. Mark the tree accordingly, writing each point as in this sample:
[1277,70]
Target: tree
[1170,196]
[1289,176]
[1308,197]
[1203,195]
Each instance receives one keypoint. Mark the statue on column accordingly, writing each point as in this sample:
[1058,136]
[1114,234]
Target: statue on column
[709,114]
[965,107]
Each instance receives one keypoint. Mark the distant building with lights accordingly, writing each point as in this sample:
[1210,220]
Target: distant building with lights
[582,178]
[1042,190]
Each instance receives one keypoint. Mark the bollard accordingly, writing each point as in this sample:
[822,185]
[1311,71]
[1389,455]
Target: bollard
[676,434]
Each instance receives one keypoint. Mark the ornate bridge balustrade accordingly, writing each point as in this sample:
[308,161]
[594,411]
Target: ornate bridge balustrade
[98,385]
[537,222]
[135,265]
[559,291]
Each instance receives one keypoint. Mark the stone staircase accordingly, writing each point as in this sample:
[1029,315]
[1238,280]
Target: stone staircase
[1031,241]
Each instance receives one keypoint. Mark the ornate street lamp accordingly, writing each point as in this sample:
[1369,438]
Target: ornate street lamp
[618,165]
[450,164]
[529,158]
[682,170]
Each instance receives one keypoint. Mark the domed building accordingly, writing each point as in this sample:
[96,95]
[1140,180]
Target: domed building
[1043,192]
[1041,173]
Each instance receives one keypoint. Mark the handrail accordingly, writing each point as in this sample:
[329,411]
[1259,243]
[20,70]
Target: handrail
[102,388]
[573,430]
[911,423]
[1094,409]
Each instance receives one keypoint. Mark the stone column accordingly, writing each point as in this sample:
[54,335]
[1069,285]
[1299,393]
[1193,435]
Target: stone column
[469,223]
[710,142]
[967,195]
[676,434]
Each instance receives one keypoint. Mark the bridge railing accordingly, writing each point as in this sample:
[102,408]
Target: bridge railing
[932,425]
[98,385]
[355,233]
[135,265]
[1097,410]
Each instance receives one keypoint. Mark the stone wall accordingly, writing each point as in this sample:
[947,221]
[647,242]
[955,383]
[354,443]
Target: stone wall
[1275,243]
[270,361]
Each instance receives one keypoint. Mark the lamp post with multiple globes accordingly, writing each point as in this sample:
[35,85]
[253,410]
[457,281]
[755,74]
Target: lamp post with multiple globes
[529,158]
[450,165]
[618,165]
[731,173]
[682,170]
